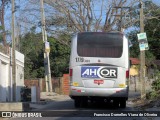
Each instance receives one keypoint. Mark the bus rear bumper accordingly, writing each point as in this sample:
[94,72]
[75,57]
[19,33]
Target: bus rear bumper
[99,92]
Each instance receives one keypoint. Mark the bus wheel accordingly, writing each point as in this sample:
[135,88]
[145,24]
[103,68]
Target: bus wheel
[116,103]
[84,102]
[123,103]
[77,102]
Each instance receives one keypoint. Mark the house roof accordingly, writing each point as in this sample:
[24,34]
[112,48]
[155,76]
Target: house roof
[135,61]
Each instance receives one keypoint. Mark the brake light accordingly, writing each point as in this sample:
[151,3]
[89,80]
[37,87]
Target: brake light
[70,72]
[78,90]
[127,74]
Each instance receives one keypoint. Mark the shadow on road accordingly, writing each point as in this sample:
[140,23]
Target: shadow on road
[65,109]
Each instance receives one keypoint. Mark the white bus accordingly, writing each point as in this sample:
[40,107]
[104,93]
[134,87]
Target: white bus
[99,68]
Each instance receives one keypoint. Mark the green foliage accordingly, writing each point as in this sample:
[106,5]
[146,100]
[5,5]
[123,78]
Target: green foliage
[32,47]
[59,56]
[155,87]
[3,5]
[156,83]
[152,95]
[1,38]
[150,58]
[134,50]
[152,28]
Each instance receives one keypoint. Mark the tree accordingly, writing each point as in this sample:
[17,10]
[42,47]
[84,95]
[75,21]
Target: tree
[134,50]
[2,14]
[152,28]
[87,15]
[68,16]
[59,55]
[32,47]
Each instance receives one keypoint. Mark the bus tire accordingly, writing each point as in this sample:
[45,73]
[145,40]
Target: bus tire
[84,102]
[123,103]
[116,103]
[77,103]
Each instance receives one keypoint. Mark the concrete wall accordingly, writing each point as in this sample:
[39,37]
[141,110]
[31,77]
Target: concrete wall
[19,74]
[6,76]
[135,84]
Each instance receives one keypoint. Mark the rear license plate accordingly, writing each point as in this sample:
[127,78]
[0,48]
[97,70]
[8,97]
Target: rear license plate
[98,82]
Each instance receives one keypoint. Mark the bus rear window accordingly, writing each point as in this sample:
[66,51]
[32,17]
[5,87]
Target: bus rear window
[92,44]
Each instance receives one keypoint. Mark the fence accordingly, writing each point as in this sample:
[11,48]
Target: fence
[60,84]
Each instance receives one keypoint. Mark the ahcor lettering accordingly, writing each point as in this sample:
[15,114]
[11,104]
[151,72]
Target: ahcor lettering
[108,72]
[89,72]
[98,72]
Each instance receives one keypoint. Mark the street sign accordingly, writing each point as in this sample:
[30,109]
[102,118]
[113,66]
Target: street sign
[143,43]
[146,46]
[47,47]
[142,47]
[141,36]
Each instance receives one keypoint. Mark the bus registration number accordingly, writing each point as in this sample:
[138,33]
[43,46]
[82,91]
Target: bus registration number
[98,82]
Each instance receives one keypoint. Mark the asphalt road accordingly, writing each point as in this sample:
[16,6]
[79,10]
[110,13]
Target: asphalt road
[64,109]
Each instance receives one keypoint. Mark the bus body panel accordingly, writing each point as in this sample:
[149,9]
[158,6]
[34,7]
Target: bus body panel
[99,76]
[99,92]
[88,81]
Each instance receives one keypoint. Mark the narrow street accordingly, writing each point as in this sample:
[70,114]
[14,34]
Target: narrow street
[59,55]
[62,108]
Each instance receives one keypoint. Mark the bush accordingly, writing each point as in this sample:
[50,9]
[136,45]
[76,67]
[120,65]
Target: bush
[156,83]
[152,95]
[155,87]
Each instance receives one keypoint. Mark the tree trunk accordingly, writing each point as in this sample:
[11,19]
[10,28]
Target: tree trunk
[2,23]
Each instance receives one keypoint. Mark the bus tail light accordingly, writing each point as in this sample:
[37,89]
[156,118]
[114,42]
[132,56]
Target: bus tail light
[127,74]
[78,90]
[70,72]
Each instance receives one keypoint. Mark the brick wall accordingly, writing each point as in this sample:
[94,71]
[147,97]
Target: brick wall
[65,85]
[60,84]
[35,82]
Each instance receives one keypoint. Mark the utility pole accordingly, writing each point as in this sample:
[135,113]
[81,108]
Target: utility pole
[13,55]
[46,54]
[142,55]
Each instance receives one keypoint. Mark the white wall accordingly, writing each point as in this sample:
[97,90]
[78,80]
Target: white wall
[6,77]
[19,81]
[4,81]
